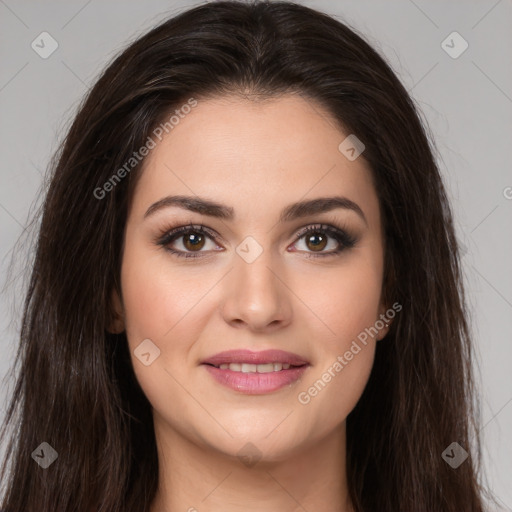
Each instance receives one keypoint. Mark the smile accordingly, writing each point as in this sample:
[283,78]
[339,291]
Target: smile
[255,373]
[255,368]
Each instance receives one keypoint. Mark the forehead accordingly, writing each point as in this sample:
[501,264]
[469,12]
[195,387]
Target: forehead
[255,156]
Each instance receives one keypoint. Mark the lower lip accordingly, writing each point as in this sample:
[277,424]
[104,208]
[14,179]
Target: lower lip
[256,383]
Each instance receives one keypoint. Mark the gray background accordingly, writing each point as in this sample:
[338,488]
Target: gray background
[467,103]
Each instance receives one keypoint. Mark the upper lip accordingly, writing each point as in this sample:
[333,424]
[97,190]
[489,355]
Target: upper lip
[261,357]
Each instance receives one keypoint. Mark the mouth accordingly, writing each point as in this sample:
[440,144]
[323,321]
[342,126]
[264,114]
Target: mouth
[256,372]
[256,368]
[250,359]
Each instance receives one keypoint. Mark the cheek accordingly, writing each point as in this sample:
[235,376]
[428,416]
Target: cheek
[159,302]
[334,390]
[348,307]
[165,304]
[345,300]
[337,382]
[158,297]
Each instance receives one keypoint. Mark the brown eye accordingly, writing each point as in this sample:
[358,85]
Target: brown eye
[319,237]
[188,241]
[316,241]
[193,241]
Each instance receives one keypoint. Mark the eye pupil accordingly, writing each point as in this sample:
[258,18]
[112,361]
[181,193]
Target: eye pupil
[194,239]
[317,245]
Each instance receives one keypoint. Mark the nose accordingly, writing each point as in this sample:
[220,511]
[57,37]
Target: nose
[256,296]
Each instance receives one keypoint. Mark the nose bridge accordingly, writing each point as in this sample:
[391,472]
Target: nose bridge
[257,297]
[254,279]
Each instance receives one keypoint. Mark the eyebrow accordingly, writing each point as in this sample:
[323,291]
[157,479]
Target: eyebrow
[293,211]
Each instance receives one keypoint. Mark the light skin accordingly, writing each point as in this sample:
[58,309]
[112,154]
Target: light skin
[256,158]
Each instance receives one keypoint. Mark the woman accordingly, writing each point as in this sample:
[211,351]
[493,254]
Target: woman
[246,293]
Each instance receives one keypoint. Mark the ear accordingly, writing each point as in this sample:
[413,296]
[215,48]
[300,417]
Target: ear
[116,324]
[383,322]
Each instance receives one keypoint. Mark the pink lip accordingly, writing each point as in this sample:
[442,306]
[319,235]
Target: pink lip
[262,357]
[256,383]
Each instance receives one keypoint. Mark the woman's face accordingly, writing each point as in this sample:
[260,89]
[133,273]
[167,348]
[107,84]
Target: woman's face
[257,282]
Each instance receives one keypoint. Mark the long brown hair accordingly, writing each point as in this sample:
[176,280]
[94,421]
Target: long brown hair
[76,389]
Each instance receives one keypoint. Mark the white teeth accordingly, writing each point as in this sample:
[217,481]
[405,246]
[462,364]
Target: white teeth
[246,368]
[265,368]
[255,368]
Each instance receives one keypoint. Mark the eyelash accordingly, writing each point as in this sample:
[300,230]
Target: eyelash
[345,240]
